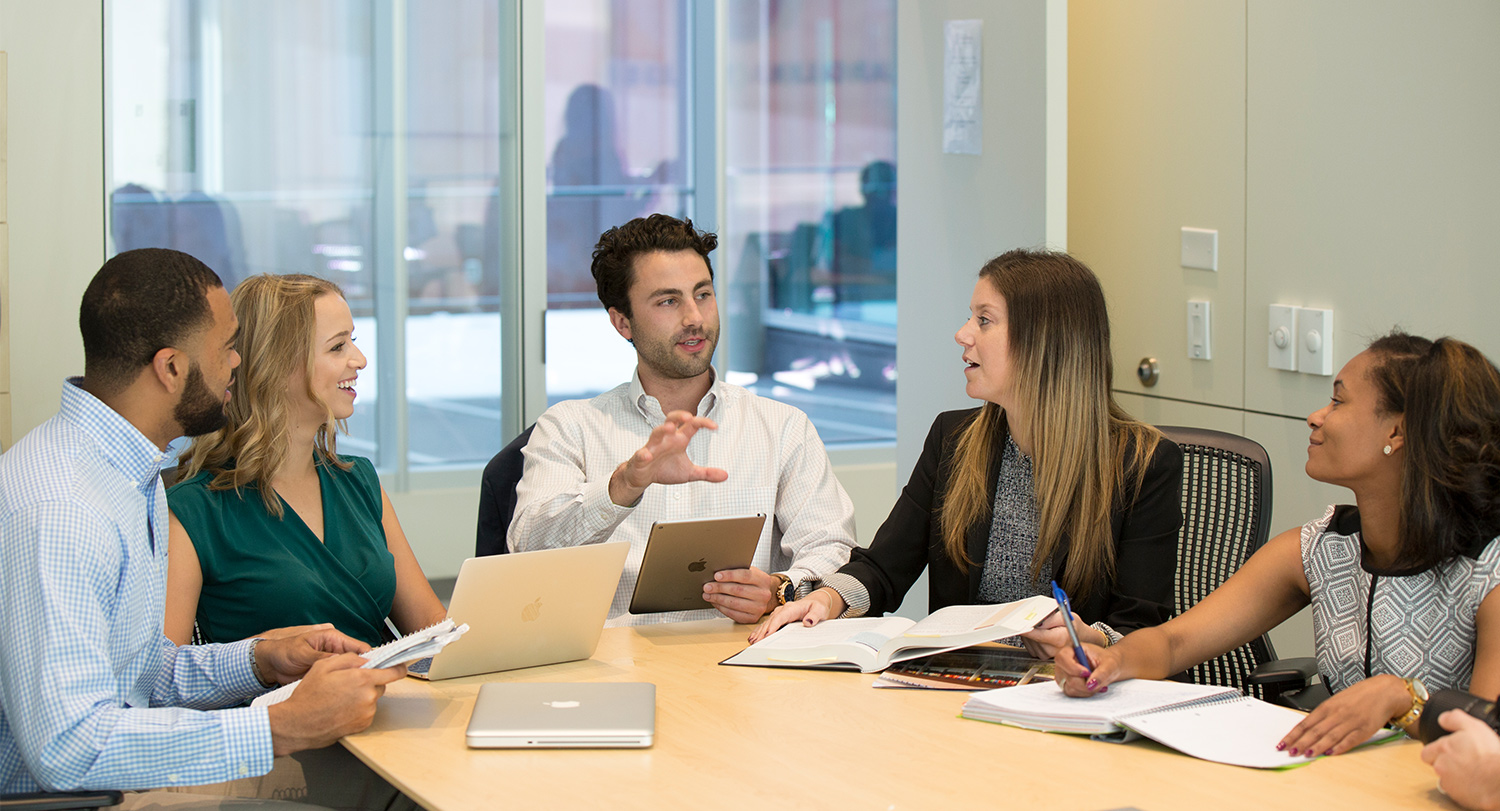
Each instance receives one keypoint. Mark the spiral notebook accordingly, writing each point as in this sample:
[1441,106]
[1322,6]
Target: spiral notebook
[415,645]
[1207,722]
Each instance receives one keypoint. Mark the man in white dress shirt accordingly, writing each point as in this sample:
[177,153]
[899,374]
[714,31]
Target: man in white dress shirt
[676,442]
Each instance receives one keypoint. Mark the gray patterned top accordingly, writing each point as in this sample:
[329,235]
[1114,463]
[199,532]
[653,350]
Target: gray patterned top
[1424,622]
[1013,534]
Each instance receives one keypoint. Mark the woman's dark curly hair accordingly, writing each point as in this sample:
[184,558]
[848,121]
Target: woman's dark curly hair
[1449,395]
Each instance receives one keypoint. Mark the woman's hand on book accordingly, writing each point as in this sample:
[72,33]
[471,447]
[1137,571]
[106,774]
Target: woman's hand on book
[1051,636]
[1349,717]
[810,610]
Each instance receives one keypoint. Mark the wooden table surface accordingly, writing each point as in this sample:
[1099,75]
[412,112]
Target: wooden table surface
[745,737]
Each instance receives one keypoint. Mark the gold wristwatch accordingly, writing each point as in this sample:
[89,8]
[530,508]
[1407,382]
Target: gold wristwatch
[1418,692]
[784,590]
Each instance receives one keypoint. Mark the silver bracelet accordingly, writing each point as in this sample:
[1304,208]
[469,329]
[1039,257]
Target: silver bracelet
[255,666]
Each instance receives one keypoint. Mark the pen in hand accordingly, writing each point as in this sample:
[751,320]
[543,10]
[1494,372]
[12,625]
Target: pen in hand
[1067,613]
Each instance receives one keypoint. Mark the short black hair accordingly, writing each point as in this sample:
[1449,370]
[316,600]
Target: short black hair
[614,255]
[139,303]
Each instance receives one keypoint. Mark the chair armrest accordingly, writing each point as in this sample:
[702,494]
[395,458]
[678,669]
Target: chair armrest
[1288,682]
[60,800]
[1293,673]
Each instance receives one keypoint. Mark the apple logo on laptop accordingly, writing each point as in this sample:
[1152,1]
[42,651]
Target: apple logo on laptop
[560,705]
[532,611]
[698,565]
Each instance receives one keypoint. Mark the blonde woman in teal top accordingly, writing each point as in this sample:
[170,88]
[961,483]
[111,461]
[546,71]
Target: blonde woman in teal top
[270,527]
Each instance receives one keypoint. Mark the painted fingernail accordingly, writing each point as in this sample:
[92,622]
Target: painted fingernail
[1093,684]
[1328,753]
[1103,689]
[1281,747]
[1293,753]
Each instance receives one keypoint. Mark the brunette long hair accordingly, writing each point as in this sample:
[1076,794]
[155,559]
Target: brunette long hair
[1449,395]
[1058,330]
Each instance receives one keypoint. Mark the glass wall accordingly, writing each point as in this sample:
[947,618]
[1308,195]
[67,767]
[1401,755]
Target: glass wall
[372,143]
[809,237]
[617,107]
[356,141]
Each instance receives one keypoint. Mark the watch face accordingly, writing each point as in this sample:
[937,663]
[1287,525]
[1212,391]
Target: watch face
[1419,689]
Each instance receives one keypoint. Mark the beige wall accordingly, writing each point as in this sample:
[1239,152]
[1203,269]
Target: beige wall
[55,194]
[1345,153]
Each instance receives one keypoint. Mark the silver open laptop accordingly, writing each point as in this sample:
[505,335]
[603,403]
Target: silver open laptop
[587,715]
[528,608]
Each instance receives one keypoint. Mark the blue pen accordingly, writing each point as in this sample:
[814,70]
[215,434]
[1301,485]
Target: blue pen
[1067,611]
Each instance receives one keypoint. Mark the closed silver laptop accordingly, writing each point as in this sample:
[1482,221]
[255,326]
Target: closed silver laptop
[528,608]
[557,715]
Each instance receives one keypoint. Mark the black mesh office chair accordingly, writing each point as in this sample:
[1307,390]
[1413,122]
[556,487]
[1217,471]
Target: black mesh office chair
[497,496]
[1226,517]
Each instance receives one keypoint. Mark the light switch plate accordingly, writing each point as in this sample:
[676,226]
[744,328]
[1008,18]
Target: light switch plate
[1198,325]
[1314,341]
[1281,338]
[1200,248]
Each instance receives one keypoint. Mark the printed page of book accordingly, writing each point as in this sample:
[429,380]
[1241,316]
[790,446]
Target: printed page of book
[1016,617]
[872,632]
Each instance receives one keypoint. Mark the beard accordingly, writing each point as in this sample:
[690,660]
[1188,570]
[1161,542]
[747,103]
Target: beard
[660,355]
[199,412]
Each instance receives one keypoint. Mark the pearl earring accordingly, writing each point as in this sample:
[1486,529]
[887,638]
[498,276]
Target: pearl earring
[1388,450]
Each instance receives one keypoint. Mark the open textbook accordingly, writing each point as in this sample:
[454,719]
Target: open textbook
[1207,722]
[869,644]
[415,645]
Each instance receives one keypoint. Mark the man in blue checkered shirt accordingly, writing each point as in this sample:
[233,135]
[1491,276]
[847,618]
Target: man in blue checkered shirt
[92,694]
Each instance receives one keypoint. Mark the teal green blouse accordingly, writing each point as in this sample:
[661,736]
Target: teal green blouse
[262,572]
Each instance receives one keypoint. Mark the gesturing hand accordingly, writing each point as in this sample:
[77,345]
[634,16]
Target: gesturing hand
[663,460]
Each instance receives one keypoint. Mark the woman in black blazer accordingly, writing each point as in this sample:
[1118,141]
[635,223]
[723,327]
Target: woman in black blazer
[1049,480]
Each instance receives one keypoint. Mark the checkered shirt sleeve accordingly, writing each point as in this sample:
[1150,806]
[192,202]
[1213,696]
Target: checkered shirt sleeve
[92,695]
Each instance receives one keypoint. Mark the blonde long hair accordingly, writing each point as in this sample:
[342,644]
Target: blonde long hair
[1061,369]
[277,316]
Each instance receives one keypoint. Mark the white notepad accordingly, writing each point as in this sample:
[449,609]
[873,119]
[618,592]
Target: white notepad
[415,645]
[1208,722]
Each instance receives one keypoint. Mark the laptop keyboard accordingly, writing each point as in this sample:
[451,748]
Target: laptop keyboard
[420,666]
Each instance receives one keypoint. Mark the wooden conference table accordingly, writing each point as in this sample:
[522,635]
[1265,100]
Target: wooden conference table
[781,738]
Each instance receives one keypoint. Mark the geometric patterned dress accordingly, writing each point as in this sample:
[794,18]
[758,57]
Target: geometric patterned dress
[1423,621]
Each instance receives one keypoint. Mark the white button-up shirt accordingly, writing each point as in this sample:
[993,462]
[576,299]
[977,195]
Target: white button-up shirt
[776,463]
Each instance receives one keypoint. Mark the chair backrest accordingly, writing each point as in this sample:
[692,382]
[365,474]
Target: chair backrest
[1226,517]
[497,496]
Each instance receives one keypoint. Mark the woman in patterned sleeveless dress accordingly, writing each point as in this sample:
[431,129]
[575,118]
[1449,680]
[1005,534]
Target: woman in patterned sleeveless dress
[1402,584]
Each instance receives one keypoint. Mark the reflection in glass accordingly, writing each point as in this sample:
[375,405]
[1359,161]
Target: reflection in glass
[616,134]
[259,136]
[809,238]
